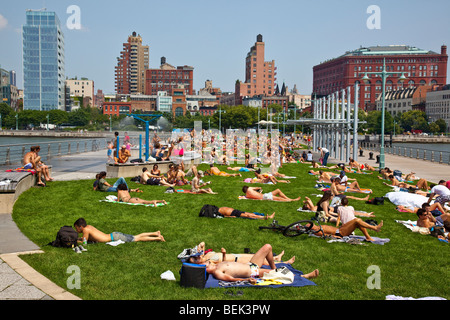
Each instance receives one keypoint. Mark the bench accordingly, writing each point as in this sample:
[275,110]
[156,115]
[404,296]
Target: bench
[12,185]
[130,170]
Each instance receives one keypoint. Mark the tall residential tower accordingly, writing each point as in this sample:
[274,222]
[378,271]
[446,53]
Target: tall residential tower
[131,66]
[43,61]
[260,75]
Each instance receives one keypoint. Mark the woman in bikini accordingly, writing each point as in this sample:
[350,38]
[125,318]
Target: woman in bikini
[124,196]
[323,205]
[216,257]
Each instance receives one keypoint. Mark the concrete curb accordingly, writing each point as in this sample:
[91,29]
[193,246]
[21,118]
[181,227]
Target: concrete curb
[34,277]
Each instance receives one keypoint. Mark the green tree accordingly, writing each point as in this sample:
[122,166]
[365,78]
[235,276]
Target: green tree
[434,127]
[442,125]
[414,120]
[373,124]
[79,117]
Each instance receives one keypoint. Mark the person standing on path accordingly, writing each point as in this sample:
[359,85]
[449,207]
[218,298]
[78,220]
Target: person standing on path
[324,154]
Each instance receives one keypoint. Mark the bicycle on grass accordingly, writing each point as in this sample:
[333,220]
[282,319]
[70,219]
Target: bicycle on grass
[295,229]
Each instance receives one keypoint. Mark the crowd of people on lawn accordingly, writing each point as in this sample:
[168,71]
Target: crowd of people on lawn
[336,217]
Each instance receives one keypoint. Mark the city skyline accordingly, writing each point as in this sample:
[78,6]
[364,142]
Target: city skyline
[215,37]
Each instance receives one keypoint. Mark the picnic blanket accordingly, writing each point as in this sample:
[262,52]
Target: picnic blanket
[412,225]
[298,281]
[360,240]
[113,199]
[21,169]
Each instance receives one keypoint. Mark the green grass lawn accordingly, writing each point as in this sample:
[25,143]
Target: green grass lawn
[411,265]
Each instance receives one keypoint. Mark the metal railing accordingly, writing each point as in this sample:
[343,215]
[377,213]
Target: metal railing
[442,157]
[13,154]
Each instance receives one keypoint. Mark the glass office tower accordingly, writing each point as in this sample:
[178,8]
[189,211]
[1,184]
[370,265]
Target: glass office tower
[43,61]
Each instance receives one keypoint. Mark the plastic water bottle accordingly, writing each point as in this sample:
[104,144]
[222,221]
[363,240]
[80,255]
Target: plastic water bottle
[84,241]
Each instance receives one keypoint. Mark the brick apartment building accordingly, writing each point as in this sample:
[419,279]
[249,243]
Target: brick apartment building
[168,77]
[116,108]
[421,67]
[260,75]
[131,66]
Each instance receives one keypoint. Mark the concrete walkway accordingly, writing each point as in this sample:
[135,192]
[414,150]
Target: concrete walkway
[18,281]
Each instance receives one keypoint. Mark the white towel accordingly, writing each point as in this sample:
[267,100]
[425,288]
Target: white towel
[115,243]
[168,275]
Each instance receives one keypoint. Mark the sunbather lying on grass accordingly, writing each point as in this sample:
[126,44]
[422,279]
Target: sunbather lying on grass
[92,234]
[124,196]
[276,195]
[216,257]
[347,229]
[234,213]
[249,271]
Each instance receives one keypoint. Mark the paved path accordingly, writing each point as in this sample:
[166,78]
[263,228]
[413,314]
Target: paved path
[431,171]
[19,281]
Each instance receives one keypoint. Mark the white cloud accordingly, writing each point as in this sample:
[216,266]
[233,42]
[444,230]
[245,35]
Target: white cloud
[3,22]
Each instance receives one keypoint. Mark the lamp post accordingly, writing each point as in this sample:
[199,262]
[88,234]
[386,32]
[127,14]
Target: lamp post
[384,74]
[110,123]
[17,121]
[220,119]
[48,120]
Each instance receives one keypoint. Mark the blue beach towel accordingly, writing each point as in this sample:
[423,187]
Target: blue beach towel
[299,281]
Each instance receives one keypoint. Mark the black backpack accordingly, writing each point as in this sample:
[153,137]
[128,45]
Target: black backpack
[209,211]
[376,201]
[65,238]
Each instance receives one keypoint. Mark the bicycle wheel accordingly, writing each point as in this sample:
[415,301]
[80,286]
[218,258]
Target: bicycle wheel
[273,226]
[298,228]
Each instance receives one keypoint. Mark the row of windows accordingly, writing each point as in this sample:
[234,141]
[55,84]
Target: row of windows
[398,60]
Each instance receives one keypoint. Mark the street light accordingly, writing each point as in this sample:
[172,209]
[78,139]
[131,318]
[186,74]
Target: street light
[17,121]
[48,119]
[220,118]
[384,74]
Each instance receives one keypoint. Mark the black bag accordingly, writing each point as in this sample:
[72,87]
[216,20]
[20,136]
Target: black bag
[193,275]
[436,231]
[397,173]
[376,200]
[138,160]
[65,238]
[136,179]
[209,211]
[372,222]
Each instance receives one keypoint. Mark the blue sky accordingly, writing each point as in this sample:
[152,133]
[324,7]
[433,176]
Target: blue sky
[214,36]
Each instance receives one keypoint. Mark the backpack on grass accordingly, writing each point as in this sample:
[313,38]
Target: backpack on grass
[209,211]
[65,238]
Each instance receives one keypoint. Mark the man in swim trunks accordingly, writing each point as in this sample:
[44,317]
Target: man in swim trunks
[256,193]
[92,234]
[234,213]
[124,155]
[30,161]
[427,220]
[237,271]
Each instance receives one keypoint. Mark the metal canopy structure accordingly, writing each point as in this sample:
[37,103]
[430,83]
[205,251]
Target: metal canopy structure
[147,134]
[333,124]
